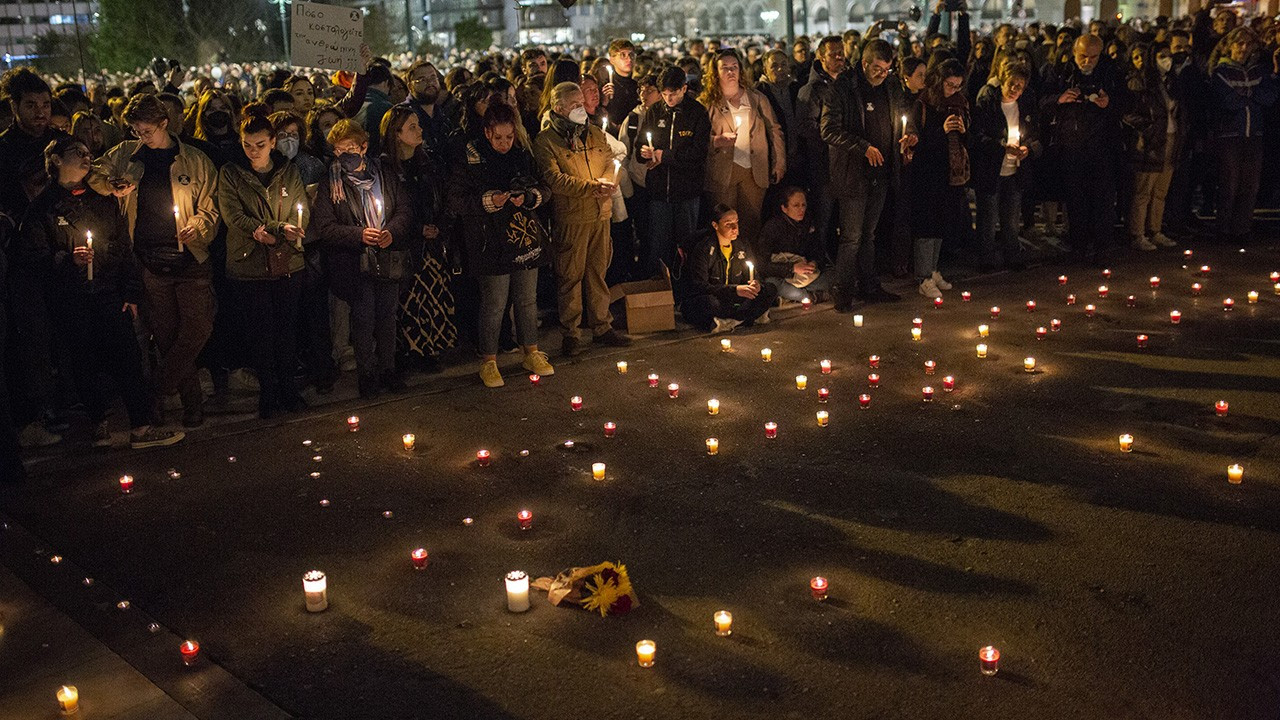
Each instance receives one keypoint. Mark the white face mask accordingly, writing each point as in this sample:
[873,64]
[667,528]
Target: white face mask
[288,146]
[578,115]
[1165,64]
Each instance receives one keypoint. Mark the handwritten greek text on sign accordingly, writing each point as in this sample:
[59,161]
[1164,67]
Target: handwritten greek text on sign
[326,36]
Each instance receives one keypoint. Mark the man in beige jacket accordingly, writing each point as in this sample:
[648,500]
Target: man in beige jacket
[578,165]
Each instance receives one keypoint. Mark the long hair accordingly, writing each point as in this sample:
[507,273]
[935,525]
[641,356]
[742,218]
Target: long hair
[316,143]
[563,71]
[201,108]
[392,122]
[712,95]
[937,75]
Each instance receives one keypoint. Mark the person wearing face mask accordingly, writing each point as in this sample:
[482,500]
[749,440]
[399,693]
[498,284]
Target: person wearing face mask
[577,164]
[1156,123]
[215,124]
[290,130]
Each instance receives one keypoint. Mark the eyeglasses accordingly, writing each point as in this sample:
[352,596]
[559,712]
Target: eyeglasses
[953,86]
[877,70]
[145,135]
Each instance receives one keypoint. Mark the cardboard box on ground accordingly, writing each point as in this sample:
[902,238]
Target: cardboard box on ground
[645,306]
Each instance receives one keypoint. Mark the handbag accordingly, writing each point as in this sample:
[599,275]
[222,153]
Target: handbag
[383,263]
[279,259]
[796,280]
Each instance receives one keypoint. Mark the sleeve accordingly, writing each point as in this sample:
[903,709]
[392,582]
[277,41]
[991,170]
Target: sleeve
[553,175]
[205,209]
[401,224]
[776,140]
[351,102]
[327,228]
[964,42]
[235,214]
[832,125]
[104,168]
[935,23]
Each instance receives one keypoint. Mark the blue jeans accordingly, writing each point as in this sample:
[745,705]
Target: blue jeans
[1004,203]
[855,270]
[522,286]
[671,225]
[790,292]
[926,252]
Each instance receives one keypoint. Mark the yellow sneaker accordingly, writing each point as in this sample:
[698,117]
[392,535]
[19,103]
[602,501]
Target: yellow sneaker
[490,375]
[536,362]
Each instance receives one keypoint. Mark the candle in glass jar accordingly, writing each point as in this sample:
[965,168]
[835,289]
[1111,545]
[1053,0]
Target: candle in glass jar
[1055,325]
[917,322]
[1235,474]
[984,330]
[801,382]
[1227,304]
[982,350]
[126,484]
[873,380]
[1071,299]
[535,379]
[1089,310]
[824,394]
[1102,291]
[1031,306]
[353,423]
[823,418]
[419,558]
[1155,282]
[1175,317]
[929,367]
[966,296]
[995,311]
[68,699]
[409,440]
[575,403]
[766,354]
[826,367]
[1029,364]
[713,407]
[915,334]
[948,383]
[1195,288]
[1106,273]
[713,446]
[610,428]
[622,367]
[1041,333]
[1126,443]
[517,582]
[937,303]
[1253,297]
[1204,269]
[989,660]
[1142,341]
[1062,279]
[770,430]
[645,650]
[1131,301]
[725,345]
[524,519]
[864,401]
[673,390]
[926,393]
[857,321]
[818,587]
[1220,408]
[315,590]
[874,361]
[723,620]
[653,379]
[805,303]
[482,458]
[597,471]
[1276,288]
[1275,276]
[190,651]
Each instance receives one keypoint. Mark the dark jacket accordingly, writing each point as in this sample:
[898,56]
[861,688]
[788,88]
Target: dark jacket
[626,93]
[376,104]
[336,227]
[781,234]
[56,223]
[1240,97]
[707,272]
[247,204]
[814,156]
[22,158]
[785,103]
[989,135]
[1082,126]
[1152,102]
[683,133]
[843,129]
[499,239]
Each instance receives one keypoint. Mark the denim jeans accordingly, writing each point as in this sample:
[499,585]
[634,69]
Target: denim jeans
[374,319]
[1004,204]
[671,225]
[790,292]
[926,251]
[522,287]
[855,270]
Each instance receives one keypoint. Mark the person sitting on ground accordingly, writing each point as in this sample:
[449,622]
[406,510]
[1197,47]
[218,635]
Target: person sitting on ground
[791,250]
[722,292]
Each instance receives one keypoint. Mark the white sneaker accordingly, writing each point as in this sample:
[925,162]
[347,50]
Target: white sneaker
[1141,243]
[929,289]
[941,283]
[1163,240]
[724,325]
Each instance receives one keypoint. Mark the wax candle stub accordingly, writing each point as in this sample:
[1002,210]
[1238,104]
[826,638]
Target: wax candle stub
[1235,474]
[409,440]
[1131,301]
[419,558]
[315,590]
[805,303]
[1220,408]
[524,519]
[771,430]
[989,660]
[645,650]
[653,379]
[723,620]
[597,471]
[622,367]
[713,446]
[818,587]
[517,582]
[1126,443]
[190,651]
[68,699]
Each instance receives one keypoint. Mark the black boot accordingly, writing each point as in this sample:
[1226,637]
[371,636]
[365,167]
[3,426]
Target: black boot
[369,385]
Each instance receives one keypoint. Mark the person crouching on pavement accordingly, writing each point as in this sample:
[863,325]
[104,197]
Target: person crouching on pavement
[723,291]
[793,255]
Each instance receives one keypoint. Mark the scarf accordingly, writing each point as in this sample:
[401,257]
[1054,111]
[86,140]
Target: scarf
[368,186]
[572,132]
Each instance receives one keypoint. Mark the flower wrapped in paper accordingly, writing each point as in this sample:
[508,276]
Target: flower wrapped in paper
[604,588]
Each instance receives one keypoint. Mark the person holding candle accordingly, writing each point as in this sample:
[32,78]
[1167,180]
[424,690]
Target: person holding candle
[1003,137]
[793,252]
[150,176]
[365,220]
[618,87]
[1156,122]
[260,194]
[720,293]
[496,193]
[748,152]
[940,170]
[93,318]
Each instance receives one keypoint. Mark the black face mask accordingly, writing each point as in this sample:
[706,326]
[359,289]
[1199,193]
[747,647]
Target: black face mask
[1179,58]
[218,120]
[350,161]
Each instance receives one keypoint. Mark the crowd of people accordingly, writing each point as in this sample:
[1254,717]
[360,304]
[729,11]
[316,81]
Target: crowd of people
[300,224]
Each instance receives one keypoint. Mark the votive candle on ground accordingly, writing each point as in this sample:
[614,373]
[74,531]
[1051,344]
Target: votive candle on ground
[190,651]
[1155,282]
[916,333]
[948,383]
[1195,288]
[926,393]
[823,418]
[597,471]
[315,590]
[1089,310]
[713,446]
[409,440]
[995,312]
[1235,474]
[770,430]
[353,423]
[725,345]
[1031,306]
[1175,317]
[645,650]
[1106,273]
[826,367]
[929,367]
[1276,288]
[1227,304]
[989,660]
[1204,269]
[818,587]
[1142,341]
[1055,325]
[937,303]
[420,558]
[517,591]
[68,699]
[1029,364]
[535,379]
[126,484]
[984,330]
[673,390]
[982,350]
[766,354]
[917,322]
[864,401]
[575,403]
[724,622]
[1103,291]
[1062,279]
[874,361]
[1275,276]
[524,519]
[1221,407]
[805,303]
[801,382]
[483,457]
[653,379]
[622,367]
[873,380]
[1253,297]
[1126,443]
[713,407]
[824,394]
[1131,301]
[857,321]
[966,296]
[1041,333]
[1071,299]
[610,428]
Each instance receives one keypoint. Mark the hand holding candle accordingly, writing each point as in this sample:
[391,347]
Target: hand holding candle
[177,221]
[88,243]
[751,272]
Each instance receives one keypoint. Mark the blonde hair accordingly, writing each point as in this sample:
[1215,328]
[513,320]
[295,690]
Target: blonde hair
[560,92]
[712,95]
[347,129]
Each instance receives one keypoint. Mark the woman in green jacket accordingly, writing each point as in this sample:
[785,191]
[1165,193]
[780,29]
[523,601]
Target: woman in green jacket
[265,205]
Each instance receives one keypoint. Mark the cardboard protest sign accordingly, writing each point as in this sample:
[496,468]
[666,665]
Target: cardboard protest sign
[326,36]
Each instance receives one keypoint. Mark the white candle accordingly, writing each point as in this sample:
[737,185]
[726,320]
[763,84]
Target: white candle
[857,321]
[377,222]
[604,124]
[177,219]
[88,242]
[315,589]
[724,623]
[68,699]
[610,68]
[904,124]
[648,139]
[645,650]
[751,272]
[737,123]
[517,591]
[1235,474]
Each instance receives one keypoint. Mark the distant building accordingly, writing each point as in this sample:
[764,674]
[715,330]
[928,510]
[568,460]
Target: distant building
[22,22]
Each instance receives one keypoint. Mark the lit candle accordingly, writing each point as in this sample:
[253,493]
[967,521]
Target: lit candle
[1062,279]
[864,401]
[917,322]
[713,407]
[824,394]
[610,428]
[300,221]
[1142,341]
[904,124]
[1276,288]
[1228,304]
[1126,443]
[1204,269]
[1235,474]
[617,164]
[966,296]
[818,587]
[1253,295]
[604,124]
[805,303]
[525,519]
[88,242]
[1015,137]
[177,221]
[517,591]
[419,558]
[982,350]
[648,139]
[915,334]
[1102,291]
[751,272]
[766,354]
[801,382]
[377,204]
[1186,253]
[1131,301]
[724,623]
[874,361]
[1275,276]
[929,367]
[1031,306]
[873,380]
[926,393]
[126,484]
[1195,288]
[989,660]
[737,123]
[826,367]
[597,471]
[673,390]
[995,312]
[1155,282]
[726,345]
[535,379]
[1055,325]
[315,589]
[1106,274]
[713,446]
[857,319]
[1089,310]
[1071,299]
[409,440]
[1029,364]
[770,430]
[823,418]
[353,423]
[622,367]
[645,650]
[1175,317]
[1221,407]
[984,330]
[68,699]
[1041,332]
[482,458]
[948,383]
[937,303]
[610,69]
[575,403]
[653,379]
